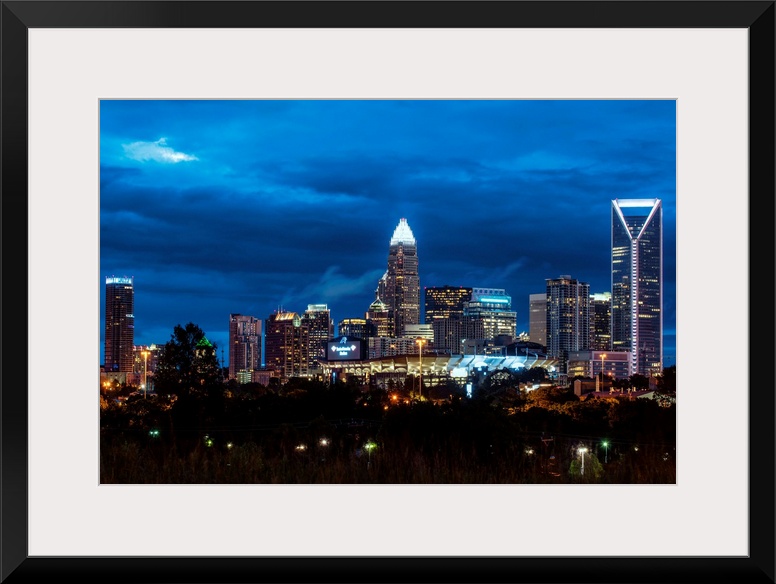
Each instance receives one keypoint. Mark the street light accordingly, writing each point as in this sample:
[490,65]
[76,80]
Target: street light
[582,450]
[369,446]
[420,342]
[145,372]
[599,379]
[605,444]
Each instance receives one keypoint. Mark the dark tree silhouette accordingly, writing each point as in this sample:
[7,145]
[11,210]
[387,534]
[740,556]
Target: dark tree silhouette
[666,386]
[188,364]
[638,381]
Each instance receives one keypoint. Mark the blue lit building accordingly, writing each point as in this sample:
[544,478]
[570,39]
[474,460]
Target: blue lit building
[493,307]
[637,282]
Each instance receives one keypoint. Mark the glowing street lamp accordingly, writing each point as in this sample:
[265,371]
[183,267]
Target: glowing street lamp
[369,447]
[603,356]
[420,342]
[605,444]
[582,450]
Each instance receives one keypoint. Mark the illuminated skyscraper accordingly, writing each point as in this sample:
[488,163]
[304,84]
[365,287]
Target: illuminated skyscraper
[286,344]
[537,318]
[358,328]
[244,344]
[637,282]
[493,306]
[445,302]
[379,318]
[402,282]
[568,317]
[444,307]
[119,324]
[601,321]
[320,328]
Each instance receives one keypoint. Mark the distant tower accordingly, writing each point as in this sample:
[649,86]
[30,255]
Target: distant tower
[568,317]
[286,344]
[379,318]
[493,306]
[244,344]
[320,327]
[402,283]
[601,321]
[537,318]
[119,323]
[358,328]
[637,282]
[445,302]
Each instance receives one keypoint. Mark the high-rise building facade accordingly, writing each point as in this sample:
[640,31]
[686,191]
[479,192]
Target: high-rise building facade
[244,344]
[119,324]
[568,317]
[320,328]
[392,346]
[492,306]
[445,302]
[402,281]
[537,318]
[379,318]
[450,333]
[601,321]
[286,344]
[637,282]
[358,328]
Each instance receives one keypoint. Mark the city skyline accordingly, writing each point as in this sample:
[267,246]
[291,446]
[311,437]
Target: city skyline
[222,207]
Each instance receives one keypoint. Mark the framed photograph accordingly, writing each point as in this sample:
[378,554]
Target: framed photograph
[78,77]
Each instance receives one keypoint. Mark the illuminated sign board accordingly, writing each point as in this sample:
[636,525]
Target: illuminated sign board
[344,349]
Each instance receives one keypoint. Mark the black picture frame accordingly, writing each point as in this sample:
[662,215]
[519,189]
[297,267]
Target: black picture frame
[19,16]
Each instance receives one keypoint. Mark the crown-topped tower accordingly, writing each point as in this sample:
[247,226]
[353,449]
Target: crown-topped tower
[403,234]
[402,282]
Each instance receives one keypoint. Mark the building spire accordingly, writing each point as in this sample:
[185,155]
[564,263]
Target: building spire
[403,233]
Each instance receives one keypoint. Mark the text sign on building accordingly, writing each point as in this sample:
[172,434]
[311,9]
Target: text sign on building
[344,349]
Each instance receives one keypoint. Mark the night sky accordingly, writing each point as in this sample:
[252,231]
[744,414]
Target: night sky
[219,207]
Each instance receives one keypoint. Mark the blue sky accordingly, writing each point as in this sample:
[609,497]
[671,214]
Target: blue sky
[219,207]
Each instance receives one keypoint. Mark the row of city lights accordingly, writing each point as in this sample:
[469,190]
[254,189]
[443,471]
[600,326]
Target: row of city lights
[370,446]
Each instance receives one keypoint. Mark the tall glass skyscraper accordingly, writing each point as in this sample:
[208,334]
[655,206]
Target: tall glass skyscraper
[537,318]
[119,324]
[637,282]
[402,282]
[244,344]
[568,317]
[320,329]
[286,344]
[445,302]
[493,306]
[601,321]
